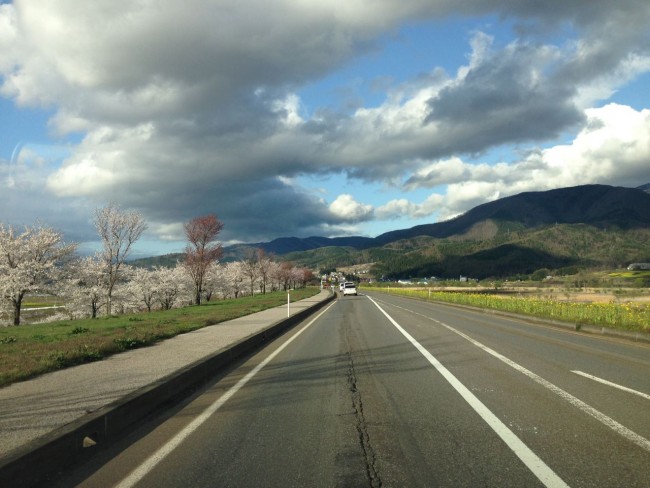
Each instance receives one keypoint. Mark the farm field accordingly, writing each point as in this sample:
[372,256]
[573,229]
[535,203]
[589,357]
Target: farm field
[625,309]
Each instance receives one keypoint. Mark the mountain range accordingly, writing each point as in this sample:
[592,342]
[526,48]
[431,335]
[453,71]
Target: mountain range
[600,206]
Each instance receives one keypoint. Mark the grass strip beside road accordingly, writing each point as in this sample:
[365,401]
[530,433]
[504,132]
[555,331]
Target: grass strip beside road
[622,316]
[27,351]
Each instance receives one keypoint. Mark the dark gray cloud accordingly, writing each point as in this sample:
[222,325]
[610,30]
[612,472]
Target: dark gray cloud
[510,96]
[258,209]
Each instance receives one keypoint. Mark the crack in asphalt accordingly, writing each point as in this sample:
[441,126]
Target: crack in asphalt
[361,426]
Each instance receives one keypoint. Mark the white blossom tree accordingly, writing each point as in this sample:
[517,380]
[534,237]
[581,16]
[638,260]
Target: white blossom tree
[28,261]
[118,230]
[171,285]
[234,277]
[215,282]
[250,269]
[86,288]
[143,287]
[161,285]
[274,275]
[265,264]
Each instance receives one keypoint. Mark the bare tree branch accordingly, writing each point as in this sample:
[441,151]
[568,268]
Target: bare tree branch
[118,231]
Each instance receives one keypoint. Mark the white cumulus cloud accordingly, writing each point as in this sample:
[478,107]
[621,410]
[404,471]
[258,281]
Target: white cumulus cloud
[348,209]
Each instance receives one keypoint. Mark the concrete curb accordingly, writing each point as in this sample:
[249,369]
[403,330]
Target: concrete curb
[35,461]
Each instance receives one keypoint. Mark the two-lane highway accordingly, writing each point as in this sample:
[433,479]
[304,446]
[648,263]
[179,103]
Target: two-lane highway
[379,390]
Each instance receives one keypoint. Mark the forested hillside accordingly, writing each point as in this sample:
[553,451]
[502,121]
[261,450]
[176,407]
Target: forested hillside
[564,248]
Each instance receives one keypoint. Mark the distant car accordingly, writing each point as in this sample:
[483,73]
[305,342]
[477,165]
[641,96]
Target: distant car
[341,286]
[349,288]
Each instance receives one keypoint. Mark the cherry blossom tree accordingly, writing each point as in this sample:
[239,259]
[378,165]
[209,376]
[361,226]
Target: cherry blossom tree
[143,287]
[284,274]
[274,275]
[28,261]
[86,289]
[215,282]
[250,269]
[202,250]
[234,279]
[301,276]
[264,263]
[161,285]
[118,230]
[171,285]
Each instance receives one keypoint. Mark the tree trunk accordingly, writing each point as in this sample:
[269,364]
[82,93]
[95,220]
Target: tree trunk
[16,316]
[17,304]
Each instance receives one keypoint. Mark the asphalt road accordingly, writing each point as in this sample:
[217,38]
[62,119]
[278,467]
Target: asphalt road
[379,390]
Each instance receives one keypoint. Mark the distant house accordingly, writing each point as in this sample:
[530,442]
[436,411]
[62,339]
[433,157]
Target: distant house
[638,266]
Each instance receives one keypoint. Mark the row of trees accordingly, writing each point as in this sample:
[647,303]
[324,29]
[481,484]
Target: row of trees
[163,288]
[37,260]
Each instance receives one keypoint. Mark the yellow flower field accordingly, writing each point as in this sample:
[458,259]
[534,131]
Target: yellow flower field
[628,316]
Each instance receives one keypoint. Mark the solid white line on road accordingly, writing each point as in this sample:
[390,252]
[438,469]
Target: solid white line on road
[148,465]
[601,417]
[615,385]
[545,474]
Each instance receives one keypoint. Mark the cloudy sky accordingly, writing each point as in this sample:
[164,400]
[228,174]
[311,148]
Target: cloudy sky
[301,117]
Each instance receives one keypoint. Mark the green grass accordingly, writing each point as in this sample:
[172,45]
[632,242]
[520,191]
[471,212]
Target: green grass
[41,304]
[30,350]
[38,301]
[630,274]
[624,316]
